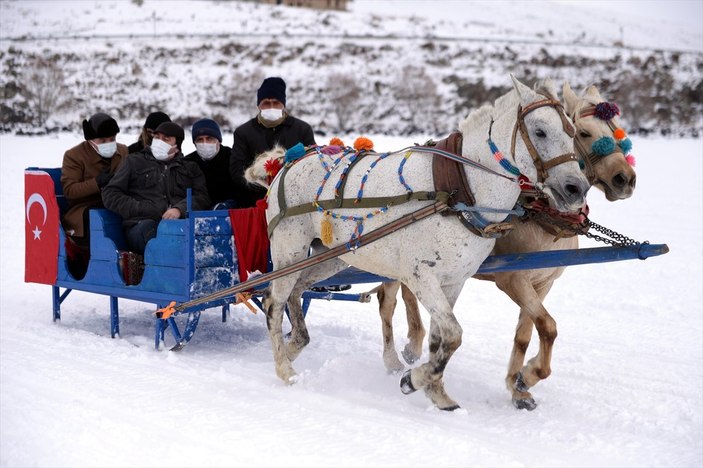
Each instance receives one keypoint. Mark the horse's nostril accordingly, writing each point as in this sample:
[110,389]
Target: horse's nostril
[572,189]
[619,181]
[633,182]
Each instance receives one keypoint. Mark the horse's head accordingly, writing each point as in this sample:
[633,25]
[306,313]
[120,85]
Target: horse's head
[601,143]
[546,135]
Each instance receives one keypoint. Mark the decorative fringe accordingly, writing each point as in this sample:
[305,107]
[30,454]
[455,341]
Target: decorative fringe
[326,234]
[619,134]
[295,152]
[603,146]
[363,143]
[330,150]
[626,145]
[272,166]
[606,110]
[630,160]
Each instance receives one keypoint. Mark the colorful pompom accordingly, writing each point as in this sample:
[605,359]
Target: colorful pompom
[603,146]
[625,145]
[331,149]
[606,110]
[619,134]
[363,143]
[630,160]
[295,152]
[336,142]
[272,166]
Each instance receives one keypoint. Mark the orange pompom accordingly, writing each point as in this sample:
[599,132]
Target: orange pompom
[363,143]
[619,134]
[336,142]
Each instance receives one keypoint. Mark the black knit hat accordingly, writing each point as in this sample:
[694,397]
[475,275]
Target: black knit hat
[272,88]
[206,127]
[172,129]
[100,126]
[155,119]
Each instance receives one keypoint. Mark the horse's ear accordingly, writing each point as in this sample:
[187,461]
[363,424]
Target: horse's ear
[591,93]
[570,98]
[550,88]
[523,91]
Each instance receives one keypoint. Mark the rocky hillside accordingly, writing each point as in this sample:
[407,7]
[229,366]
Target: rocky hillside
[374,75]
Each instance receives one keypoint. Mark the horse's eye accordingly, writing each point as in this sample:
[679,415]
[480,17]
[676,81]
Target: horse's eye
[540,133]
[584,134]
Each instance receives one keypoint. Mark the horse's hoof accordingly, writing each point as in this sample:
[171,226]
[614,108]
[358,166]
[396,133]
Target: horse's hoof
[451,408]
[409,356]
[520,384]
[525,403]
[406,384]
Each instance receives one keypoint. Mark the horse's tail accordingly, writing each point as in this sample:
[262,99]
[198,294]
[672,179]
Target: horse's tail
[260,172]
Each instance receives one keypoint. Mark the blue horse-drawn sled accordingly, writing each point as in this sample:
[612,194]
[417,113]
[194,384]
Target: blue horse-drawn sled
[194,261]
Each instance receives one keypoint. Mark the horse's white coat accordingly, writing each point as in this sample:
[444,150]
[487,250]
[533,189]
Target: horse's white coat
[436,255]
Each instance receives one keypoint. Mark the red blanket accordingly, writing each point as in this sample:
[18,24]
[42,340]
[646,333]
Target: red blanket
[250,239]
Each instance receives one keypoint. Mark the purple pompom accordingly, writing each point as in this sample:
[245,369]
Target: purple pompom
[606,110]
[330,150]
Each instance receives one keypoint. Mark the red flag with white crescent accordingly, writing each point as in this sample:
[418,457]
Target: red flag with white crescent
[41,228]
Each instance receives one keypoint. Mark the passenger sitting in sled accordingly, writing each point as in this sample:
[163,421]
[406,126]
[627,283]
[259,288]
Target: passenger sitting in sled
[213,159]
[152,121]
[85,171]
[151,185]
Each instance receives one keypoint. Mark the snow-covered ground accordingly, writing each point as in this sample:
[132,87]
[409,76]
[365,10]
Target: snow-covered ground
[626,388]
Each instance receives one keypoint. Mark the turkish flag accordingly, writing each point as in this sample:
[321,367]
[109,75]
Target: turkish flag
[41,228]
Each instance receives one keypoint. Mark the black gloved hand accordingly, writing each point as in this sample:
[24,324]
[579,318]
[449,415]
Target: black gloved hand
[103,178]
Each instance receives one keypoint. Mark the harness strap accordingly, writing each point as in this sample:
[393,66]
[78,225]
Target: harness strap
[367,202]
[335,252]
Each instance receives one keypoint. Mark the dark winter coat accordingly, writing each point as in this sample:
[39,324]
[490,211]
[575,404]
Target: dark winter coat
[81,164]
[144,188]
[252,139]
[136,146]
[217,178]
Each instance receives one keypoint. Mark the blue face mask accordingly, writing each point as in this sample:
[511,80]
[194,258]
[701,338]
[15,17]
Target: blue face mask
[160,149]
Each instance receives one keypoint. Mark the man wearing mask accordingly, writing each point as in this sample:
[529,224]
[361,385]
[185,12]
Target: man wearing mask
[153,120]
[86,169]
[213,159]
[151,185]
[272,126]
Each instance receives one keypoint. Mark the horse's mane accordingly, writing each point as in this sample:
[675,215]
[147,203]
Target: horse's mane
[487,111]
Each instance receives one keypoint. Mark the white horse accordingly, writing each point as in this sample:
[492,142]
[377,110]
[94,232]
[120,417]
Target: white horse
[607,168]
[435,255]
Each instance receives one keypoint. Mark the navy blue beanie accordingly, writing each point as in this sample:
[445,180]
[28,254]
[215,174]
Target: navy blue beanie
[206,127]
[272,88]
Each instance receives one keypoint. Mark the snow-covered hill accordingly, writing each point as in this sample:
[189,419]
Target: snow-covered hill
[389,67]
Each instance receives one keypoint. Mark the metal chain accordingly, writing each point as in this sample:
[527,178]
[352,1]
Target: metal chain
[615,239]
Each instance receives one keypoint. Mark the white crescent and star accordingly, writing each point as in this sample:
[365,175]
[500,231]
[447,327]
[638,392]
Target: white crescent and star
[36,198]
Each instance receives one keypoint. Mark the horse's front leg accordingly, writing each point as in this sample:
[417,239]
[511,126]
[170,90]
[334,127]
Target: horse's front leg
[416,331]
[445,338]
[529,297]
[387,293]
[523,334]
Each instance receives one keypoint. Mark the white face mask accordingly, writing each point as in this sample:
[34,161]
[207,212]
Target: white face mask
[207,151]
[107,150]
[160,149]
[271,115]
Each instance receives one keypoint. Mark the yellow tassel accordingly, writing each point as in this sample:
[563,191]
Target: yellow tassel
[326,230]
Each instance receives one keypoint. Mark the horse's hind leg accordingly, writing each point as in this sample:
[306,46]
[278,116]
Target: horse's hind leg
[416,331]
[387,293]
[299,333]
[274,305]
